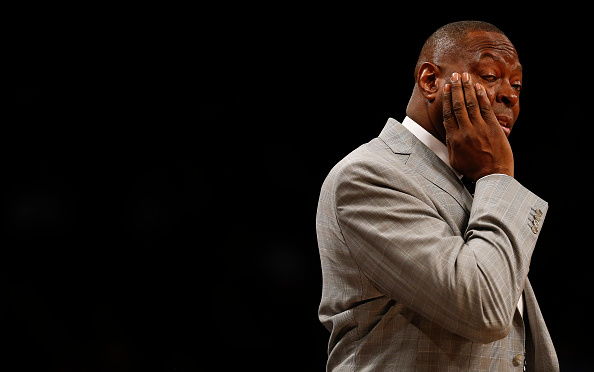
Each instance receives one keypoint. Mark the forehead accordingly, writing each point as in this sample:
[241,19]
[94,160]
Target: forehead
[491,46]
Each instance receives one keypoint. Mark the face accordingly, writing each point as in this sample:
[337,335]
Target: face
[491,60]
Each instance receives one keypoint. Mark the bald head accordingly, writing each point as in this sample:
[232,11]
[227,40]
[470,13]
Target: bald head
[449,40]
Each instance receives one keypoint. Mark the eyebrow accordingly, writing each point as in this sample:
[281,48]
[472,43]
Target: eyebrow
[497,58]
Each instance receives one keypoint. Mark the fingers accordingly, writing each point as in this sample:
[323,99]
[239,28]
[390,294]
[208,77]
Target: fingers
[461,105]
[485,105]
[458,101]
[472,106]
[454,104]
[449,119]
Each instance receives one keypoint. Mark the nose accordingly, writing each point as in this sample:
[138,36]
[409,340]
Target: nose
[507,95]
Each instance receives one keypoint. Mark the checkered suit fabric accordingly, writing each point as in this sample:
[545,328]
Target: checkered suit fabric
[418,275]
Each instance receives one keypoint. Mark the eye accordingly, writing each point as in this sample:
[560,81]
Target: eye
[517,87]
[489,78]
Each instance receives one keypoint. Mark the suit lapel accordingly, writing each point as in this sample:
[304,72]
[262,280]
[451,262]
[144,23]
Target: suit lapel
[425,162]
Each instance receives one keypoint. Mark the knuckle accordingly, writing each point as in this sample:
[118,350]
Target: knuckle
[485,109]
[471,104]
[463,138]
[458,106]
[448,114]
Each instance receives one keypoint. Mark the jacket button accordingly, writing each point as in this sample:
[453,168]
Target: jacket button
[518,360]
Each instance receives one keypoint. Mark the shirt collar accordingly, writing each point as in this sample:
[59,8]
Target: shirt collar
[428,140]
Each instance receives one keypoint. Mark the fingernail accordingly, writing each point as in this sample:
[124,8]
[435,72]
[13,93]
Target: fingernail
[477,86]
[455,76]
[447,88]
[465,77]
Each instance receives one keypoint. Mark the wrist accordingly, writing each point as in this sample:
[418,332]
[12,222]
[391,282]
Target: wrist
[503,171]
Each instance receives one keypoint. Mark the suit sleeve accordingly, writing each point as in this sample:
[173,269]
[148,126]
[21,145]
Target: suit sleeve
[467,284]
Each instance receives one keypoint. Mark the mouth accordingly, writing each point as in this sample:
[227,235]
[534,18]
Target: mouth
[504,122]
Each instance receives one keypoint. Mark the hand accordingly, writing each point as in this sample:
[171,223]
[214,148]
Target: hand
[476,143]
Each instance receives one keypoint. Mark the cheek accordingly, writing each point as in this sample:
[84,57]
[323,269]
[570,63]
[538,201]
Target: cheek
[491,95]
[516,110]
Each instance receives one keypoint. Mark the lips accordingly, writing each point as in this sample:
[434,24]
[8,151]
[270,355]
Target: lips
[505,122]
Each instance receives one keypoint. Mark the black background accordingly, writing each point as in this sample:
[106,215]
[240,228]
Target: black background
[163,167]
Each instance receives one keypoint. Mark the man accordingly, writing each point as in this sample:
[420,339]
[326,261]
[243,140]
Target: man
[419,274]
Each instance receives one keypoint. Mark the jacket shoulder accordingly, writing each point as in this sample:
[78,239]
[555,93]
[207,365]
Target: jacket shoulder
[368,160]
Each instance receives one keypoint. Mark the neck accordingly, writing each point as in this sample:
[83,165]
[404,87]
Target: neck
[418,110]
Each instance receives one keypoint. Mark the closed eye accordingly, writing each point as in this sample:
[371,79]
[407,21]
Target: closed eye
[489,78]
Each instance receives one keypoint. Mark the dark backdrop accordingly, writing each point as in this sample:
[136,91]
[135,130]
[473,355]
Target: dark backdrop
[163,168]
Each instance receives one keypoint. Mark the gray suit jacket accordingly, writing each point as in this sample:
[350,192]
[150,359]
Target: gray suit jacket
[418,276]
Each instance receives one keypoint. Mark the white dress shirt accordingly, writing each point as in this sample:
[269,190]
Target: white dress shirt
[441,151]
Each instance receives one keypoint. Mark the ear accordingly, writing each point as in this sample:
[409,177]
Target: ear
[429,80]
